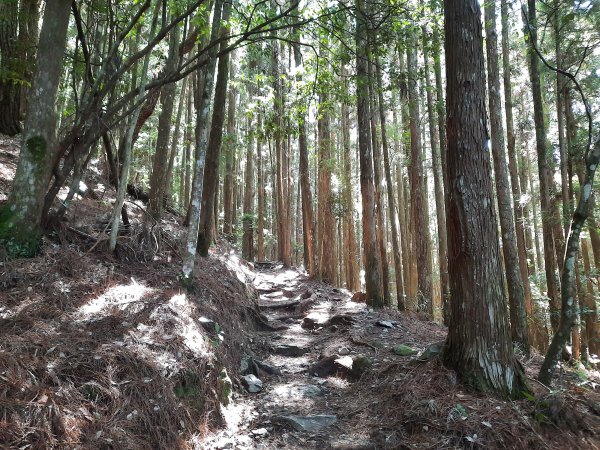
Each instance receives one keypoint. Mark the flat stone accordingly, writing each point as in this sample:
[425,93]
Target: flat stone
[310,423]
[252,383]
[289,350]
[271,370]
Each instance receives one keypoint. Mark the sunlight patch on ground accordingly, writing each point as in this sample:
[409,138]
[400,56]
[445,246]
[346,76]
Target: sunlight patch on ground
[120,296]
[235,415]
[186,328]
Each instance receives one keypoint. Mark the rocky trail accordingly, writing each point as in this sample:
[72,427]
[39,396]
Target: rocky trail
[306,377]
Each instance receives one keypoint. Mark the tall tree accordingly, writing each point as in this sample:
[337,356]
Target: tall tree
[372,261]
[420,214]
[479,347]
[158,180]
[12,69]
[545,162]
[20,219]
[516,292]
[206,74]
[307,211]
[206,229]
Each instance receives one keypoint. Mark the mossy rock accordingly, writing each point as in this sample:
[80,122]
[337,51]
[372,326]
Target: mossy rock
[226,387]
[360,364]
[17,241]
[403,350]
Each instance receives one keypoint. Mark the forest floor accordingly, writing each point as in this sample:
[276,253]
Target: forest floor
[99,351]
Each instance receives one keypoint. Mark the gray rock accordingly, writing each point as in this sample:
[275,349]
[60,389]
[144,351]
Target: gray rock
[289,350]
[432,351]
[386,323]
[252,383]
[310,423]
[246,365]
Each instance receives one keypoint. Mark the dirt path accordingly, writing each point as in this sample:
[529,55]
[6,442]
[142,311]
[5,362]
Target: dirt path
[311,367]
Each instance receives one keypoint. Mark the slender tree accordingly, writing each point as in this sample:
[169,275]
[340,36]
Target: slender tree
[372,261]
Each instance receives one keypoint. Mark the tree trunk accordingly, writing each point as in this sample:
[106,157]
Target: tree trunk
[352,256]
[20,224]
[260,187]
[170,189]
[479,347]
[158,179]
[206,229]
[284,248]
[372,262]
[248,218]
[438,183]
[512,162]
[378,183]
[420,214]
[544,167]
[589,309]
[390,193]
[206,73]
[229,160]
[11,72]
[516,295]
[326,267]
[307,211]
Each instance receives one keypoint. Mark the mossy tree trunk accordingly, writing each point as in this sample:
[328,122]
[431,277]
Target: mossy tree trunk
[20,221]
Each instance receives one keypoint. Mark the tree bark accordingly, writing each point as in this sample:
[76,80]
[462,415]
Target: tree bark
[206,73]
[158,179]
[544,168]
[420,215]
[479,347]
[378,183]
[284,247]
[20,219]
[390,193]
[307,211]
[206,229]
[516,293]
[11,72]
[372,262]
[519,209]
[229,160]
[326,267]
[351,257]
[438,183]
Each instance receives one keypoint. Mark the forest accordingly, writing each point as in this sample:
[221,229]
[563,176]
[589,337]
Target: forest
[217,213]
